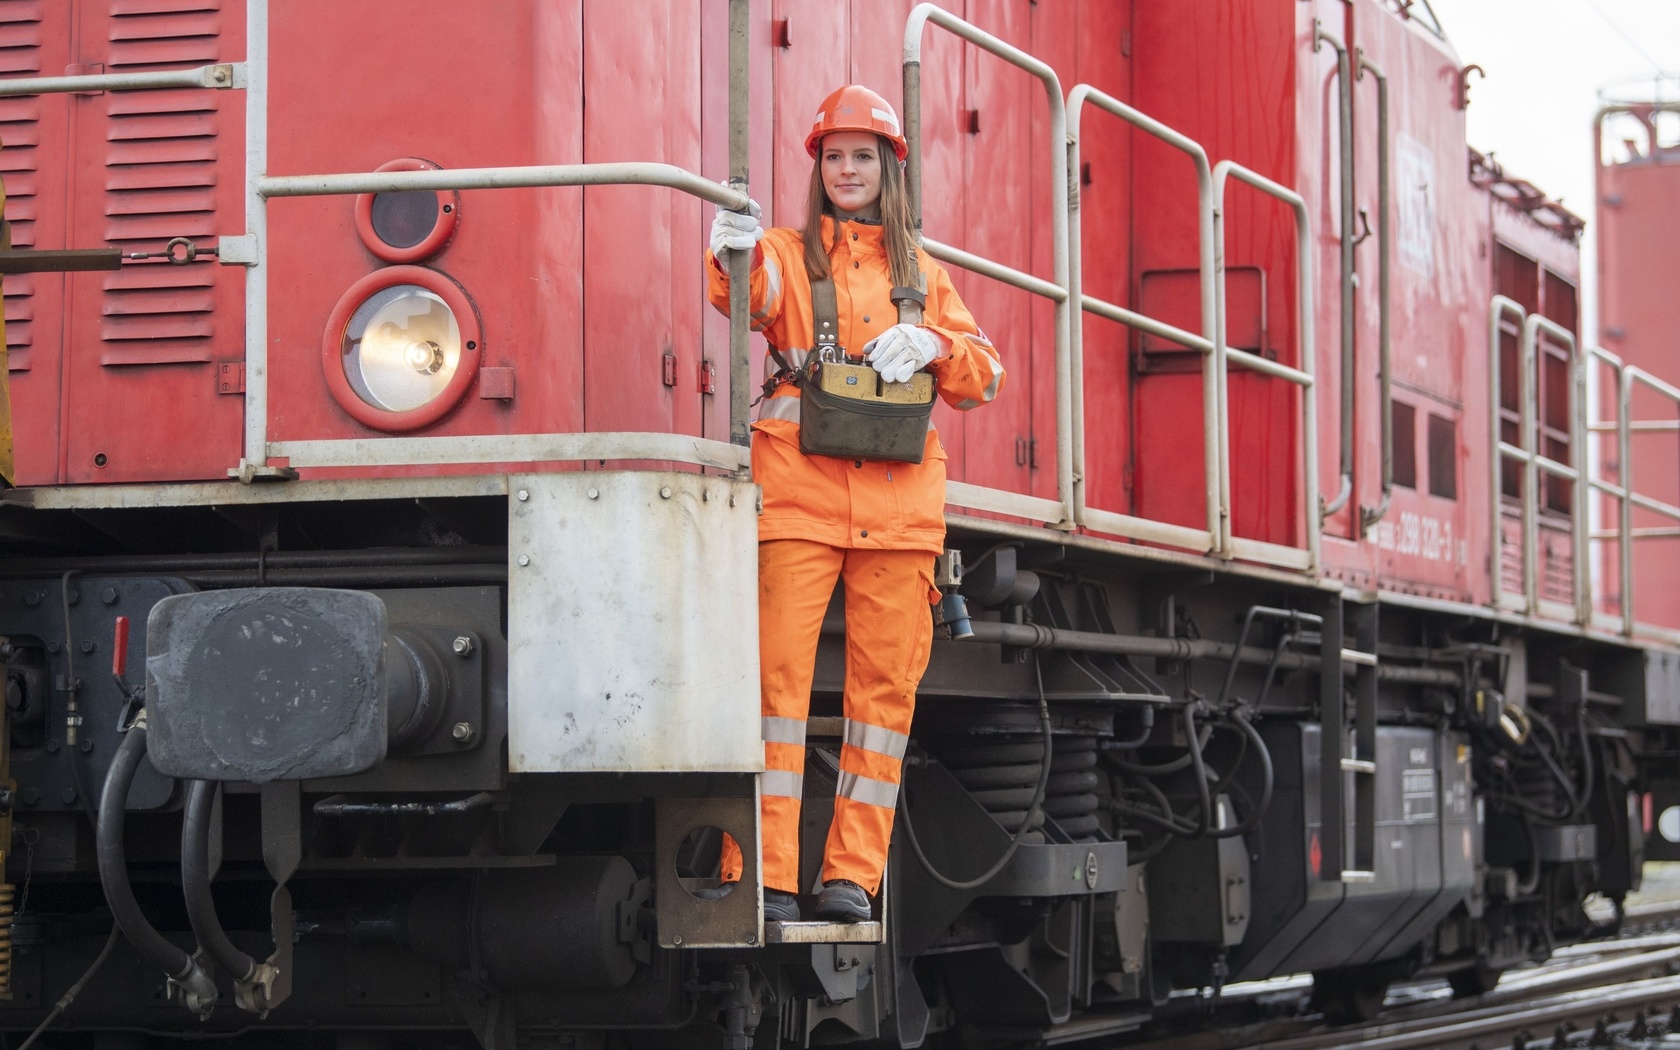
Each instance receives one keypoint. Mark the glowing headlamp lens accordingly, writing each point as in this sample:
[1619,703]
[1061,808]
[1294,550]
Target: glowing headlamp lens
[401,348]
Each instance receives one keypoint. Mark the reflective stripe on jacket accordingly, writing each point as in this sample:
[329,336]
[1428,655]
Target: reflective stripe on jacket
[852,503]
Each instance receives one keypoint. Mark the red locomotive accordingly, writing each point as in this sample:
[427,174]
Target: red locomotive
[401,442]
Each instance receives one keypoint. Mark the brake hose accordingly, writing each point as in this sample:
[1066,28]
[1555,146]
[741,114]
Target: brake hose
[1020,833]
[184,970]
[195,884]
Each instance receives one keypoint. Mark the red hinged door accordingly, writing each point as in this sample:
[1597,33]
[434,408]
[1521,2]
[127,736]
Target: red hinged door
[143,344]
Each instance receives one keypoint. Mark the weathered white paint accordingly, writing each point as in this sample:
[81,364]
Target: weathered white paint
[633,623]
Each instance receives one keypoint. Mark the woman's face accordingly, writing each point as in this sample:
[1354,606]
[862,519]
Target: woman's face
[851,172]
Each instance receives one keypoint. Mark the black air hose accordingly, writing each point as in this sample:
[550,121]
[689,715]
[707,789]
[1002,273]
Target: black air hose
[195,883]
[1267,777]
[1198,771]
[183,969]
[1027,824]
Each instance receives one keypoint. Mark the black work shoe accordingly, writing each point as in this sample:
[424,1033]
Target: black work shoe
[714,893]
[780,906]
[843,901]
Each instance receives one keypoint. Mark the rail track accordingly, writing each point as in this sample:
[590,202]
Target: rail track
[1620,993]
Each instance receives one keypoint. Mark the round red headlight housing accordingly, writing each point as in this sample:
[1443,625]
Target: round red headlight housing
[409,225]
[401,348]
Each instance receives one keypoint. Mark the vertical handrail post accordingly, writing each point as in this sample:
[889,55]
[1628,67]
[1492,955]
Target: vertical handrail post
[1500,306]
[1369,516]
[1303,376]
[1624,457]
[1534,461]
[1205,240]
[1344,124]
[1581,577]
[740,262]
[920,16]
[1528,393]
[256,227]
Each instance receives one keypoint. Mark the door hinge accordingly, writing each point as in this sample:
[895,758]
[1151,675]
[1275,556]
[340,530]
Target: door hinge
[230,377]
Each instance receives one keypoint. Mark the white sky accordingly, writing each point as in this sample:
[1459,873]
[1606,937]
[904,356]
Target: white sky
[1546,60]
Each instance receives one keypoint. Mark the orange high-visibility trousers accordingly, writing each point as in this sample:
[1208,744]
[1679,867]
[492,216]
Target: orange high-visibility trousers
[889,634]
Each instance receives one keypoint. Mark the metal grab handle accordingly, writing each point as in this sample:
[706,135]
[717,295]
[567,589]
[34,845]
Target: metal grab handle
[740,263]
[1534,462]
[1217,511]
[1344,122]
[1500,451]
[1302,377]
[1369,516]
[920,17]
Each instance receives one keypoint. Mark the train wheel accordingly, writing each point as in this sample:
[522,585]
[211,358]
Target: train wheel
[1473,980]
[1349,996]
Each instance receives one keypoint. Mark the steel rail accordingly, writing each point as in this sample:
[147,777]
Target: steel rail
[222,75]
[1504,1021]
[1215,511]
[915,26]
[614,173]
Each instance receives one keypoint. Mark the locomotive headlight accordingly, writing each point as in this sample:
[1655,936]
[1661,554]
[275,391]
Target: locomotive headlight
[401,348]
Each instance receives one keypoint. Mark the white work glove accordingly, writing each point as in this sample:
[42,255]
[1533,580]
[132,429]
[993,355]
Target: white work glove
[736,231]
[902,351]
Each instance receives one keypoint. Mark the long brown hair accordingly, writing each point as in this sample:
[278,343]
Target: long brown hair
[898,230]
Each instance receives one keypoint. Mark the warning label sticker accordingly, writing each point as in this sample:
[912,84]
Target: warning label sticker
[1417,795]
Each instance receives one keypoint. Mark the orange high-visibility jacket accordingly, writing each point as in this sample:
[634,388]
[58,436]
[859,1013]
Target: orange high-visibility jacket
[841,502]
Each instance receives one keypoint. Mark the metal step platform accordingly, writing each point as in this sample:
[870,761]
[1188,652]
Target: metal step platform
[823,933]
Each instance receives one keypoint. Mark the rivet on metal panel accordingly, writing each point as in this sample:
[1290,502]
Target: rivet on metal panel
[463,732]
[677,939]
[524,559]
[462,645]
[524,494]
[665,492]
[594,493]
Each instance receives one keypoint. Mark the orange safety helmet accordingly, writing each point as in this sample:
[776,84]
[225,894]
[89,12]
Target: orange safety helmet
[856,108]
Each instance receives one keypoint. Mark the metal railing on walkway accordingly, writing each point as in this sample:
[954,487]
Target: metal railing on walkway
[1067,511]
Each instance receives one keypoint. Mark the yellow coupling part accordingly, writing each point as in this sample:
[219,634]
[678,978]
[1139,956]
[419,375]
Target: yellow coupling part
[7,893]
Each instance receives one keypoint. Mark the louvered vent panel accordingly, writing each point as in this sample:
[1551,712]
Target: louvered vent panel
[160,182]
[20,55]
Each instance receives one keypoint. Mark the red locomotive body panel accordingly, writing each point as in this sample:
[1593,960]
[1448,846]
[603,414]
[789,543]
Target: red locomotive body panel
[1638,228]
[102,352]
[588,302]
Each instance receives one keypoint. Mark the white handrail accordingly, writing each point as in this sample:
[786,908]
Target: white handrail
[1217,511]
[1056,290]
[1302,377]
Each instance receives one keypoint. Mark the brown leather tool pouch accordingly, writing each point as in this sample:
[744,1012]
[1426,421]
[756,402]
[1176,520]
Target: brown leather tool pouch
[845,409]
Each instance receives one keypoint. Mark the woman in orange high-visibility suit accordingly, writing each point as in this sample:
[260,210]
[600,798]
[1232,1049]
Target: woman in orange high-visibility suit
[876,525]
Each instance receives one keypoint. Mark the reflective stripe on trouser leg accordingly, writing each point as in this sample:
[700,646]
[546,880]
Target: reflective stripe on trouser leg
[889,634]
[795,582]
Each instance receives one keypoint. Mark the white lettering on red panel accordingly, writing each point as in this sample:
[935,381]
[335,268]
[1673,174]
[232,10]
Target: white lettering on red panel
[1414,191]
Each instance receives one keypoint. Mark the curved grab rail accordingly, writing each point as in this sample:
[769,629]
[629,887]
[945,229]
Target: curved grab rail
[1057,292]
[1302,376]
[1209,539]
